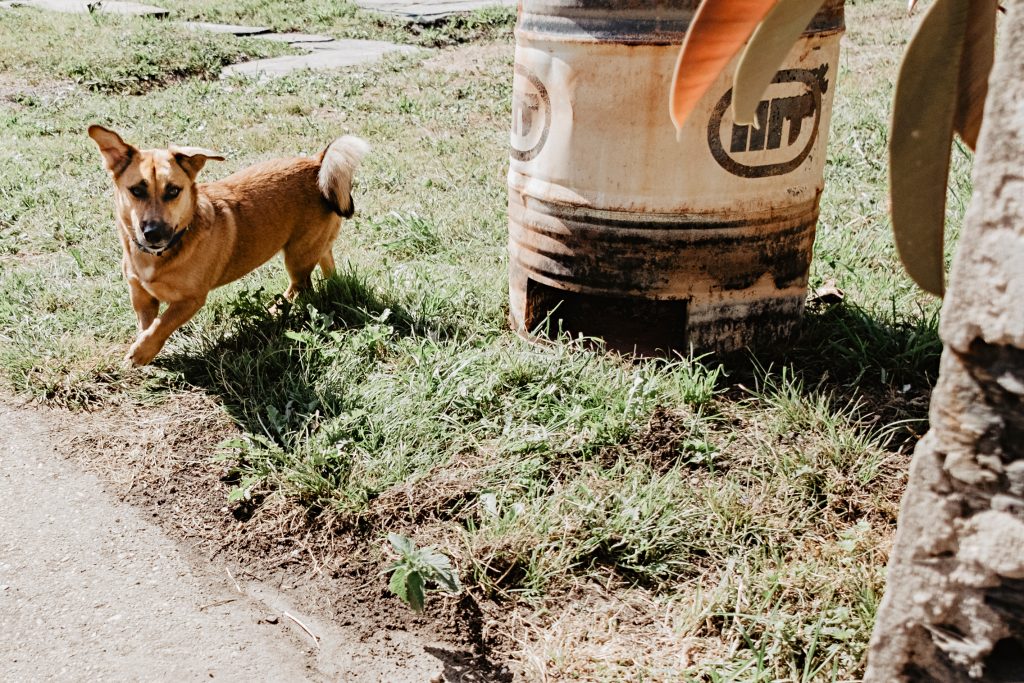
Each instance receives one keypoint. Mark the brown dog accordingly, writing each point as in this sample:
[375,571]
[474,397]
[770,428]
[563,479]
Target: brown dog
[181,239]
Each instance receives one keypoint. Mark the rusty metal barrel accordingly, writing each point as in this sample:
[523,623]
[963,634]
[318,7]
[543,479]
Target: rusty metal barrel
[619,231]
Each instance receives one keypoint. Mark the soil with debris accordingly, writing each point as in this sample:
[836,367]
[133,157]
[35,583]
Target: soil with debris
[121,559]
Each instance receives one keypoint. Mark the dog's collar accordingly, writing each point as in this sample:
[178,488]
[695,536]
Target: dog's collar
[175,238]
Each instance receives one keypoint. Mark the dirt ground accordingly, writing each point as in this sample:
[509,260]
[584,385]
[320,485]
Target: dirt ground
[93,586]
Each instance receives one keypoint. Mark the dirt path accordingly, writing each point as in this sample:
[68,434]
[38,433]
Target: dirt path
[91,590]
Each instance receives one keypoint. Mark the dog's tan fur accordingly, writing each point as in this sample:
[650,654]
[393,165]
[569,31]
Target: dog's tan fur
[223,229]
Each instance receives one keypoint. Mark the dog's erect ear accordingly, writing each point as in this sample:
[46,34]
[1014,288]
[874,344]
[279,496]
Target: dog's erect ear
[117,153]
[192,159]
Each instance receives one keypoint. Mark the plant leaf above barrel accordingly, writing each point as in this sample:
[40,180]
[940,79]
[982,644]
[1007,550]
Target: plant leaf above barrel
[922,132]
[768,46]
[719,29]
[941,89]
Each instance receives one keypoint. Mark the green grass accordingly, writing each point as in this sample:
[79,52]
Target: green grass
[742,506]
[116,54]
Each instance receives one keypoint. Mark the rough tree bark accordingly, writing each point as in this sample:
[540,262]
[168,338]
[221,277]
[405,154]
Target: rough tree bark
[954,606]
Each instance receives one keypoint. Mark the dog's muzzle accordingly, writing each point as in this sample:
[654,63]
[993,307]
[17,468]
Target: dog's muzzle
[156,234]
[158,237]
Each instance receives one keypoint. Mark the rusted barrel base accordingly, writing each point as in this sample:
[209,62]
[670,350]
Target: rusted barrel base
[641,326]
[659,283]
[653,327]
[761,323]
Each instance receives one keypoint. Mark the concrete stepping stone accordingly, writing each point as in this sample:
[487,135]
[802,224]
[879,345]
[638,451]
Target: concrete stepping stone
[107,7]
[429,11]
[339,45]
[296,38]
[233,29]
[342,53]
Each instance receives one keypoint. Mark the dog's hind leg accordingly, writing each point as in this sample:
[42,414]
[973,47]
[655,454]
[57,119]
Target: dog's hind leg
[300,269]
[307,249]
[327,263]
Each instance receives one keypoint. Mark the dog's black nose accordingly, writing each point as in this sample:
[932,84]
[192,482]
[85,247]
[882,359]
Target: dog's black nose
[155,232]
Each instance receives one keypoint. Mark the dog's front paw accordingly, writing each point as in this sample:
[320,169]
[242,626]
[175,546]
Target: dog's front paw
[139,354]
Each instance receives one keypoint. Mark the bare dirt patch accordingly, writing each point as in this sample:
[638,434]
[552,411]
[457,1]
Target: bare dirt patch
[158,458]
[19,92]
[469,59]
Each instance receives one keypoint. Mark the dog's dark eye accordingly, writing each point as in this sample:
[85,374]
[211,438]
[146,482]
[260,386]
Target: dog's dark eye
[171,192]
[138,191]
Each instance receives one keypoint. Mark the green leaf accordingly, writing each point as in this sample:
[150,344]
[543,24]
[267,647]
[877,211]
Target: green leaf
[402,545]
[764,54]
[77,255]
[297,336]
[415,593]
[244,489]
[441,571]
[922,132]
[489,502]
[837,633]
[449,581]
[397,584]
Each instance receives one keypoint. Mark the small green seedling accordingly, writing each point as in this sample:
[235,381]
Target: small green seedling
[415,567]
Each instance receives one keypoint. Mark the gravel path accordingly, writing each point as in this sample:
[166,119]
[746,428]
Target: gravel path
[91,590]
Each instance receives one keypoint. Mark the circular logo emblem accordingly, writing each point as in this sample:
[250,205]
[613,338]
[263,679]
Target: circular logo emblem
[531,115]
[787,126]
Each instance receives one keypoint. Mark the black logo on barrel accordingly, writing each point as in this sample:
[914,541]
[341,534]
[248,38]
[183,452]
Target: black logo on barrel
[787,126]
[531,115]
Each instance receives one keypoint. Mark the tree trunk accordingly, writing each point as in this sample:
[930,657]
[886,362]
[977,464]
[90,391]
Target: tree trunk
[954,606]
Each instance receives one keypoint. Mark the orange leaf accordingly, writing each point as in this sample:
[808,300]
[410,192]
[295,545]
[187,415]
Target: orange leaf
[718,31]
[975,65]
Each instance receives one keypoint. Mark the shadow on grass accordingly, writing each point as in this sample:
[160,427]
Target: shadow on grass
[281,374]
[856,346]
[888,364]
[275,368]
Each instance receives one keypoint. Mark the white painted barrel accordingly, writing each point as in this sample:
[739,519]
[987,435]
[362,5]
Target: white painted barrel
[626,233]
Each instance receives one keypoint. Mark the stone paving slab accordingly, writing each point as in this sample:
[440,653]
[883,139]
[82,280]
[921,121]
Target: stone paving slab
[233,29]
[296,38]
[108,7]
[342,53]
[335,45]
[429,11]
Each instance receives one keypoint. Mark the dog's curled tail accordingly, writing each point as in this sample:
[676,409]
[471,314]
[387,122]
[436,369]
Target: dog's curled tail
[338,165]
